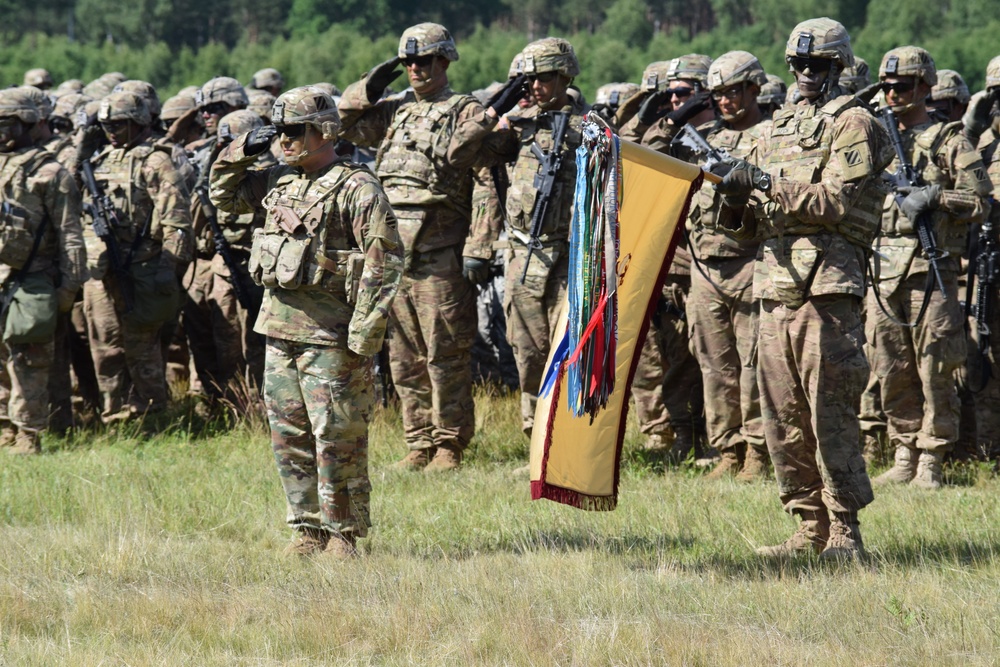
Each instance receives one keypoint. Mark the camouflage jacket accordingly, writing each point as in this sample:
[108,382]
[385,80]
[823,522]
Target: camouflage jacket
[427,150]
[822,212]
[941,155]
[341,282]
[36,189]
[147,192]
[707,238]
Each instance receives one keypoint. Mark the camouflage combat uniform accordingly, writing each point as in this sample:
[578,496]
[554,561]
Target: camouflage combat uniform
[321,334]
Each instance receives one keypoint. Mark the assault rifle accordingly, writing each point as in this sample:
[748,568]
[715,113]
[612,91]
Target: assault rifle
[243,294]
[105,221]
[691,139]
[545,181]
[987,265]
[906,176]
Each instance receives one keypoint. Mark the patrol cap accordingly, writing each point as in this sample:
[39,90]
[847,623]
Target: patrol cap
[654,77]
[38,77]
[950,86]
[551,54]
[236,123]
[615,93]
[690,67]
[735,67]
[307,105]
[124,105]
[909,61]
[821,38]
[267,78]
[427,39]
[222,89]
[145,90]
[16,103]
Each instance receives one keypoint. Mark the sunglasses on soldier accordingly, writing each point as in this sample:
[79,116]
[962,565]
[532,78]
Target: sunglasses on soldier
[900,87]
[814,65]
[216,109]
[543,77]
[292,131]
[680,92]
[419,61]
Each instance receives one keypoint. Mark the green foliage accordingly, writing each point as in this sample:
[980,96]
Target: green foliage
[626,22]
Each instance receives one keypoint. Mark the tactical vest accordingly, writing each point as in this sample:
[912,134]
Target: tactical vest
[923,147]
[799,149]
[414,155]
[118,174]
[521,197]
[305,241]
[22,211]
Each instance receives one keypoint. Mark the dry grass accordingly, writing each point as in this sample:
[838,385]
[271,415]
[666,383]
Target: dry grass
[126,549]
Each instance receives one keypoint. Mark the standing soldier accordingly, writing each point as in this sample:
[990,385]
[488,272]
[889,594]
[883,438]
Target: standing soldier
[538,264]
[268,80]
[817,174]
[722,312]
[772,95]
[42,262]
[330,257]
[152,236]
[949,97]
[916,364]
[429,140]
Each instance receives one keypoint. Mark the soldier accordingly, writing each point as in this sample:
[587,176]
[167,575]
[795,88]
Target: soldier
[176,108]
[915,364]
[126,310]
[857,77]
[42,262]
[610,97]
[721,310]
[949,97]
[39,78]
[817,172]
[268,80]
[218,97]
[328,302]
[429,139]
[260,103]
[772,95]
[536,280]
[654,78]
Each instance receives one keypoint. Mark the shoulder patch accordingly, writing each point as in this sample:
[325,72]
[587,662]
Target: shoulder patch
[855,160]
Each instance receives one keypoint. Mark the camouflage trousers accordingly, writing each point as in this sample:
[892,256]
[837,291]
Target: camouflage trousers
[916,366]
[532,312]
[24,384]
[811,370]
[647,386]
[871,416]
[492,356]
[318,401]
[433,326]
[219,330]
[722,315]
[127,358]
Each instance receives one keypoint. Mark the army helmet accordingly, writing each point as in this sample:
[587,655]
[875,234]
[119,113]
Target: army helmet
[124,105]
[735,67]
[774,91]
[427,39]
[16,103]
[176,106]
[222,89]
[654,77]
[690,67]
[261,102]
[516,66]
[950,86]
[331,89]
[38,77]
[551,54]
[615,94]
[857,76]
[307,105]
[67,105]
[993,73]
[41,100]
[908,61]
[820,38]
[267,78]
[69,86]
[236,123]
[144,90]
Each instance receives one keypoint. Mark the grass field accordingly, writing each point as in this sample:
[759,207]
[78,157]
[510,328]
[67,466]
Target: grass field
[120,549]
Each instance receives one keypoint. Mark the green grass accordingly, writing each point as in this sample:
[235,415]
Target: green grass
[126,549]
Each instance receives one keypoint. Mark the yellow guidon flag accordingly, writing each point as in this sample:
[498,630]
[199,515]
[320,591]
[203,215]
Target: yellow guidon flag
[575,460]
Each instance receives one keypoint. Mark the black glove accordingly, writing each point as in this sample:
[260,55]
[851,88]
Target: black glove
[694,106]
[979,116]
[381,76]
[868,93]
[735,188]
[259,139]
[507,97]
[649,110]
[476,270]
[92,139]
[919,200]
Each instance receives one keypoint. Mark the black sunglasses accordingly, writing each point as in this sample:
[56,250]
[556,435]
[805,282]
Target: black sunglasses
[681,92]
[216,109]
[815,65]
[292,131]
[899,86]
[544,77]
[419,61]
[114,126]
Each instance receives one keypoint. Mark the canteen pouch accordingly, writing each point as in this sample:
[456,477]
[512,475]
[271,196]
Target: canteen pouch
[31,317]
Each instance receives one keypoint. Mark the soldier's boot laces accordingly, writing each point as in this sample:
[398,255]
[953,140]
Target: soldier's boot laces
[903,470]
[929,474]
[845,538]
[445,458]
[340,548]
[810,538]
[755,465]
[416,459]
[8,434]
[307,542]
[26,443]
[728,466]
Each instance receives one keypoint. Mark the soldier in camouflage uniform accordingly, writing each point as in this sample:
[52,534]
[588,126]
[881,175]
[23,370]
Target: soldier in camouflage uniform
[772,95]
[429,140]
[39,78]
[949,97]
[330,258]
[668,382]
[42,260]
[916,365]
[721,310]
[857,77]
[154,243]
[610,97]
[268,80]
[532,306]
[816,177]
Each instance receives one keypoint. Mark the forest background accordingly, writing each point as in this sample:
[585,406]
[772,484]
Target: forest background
[174,43]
